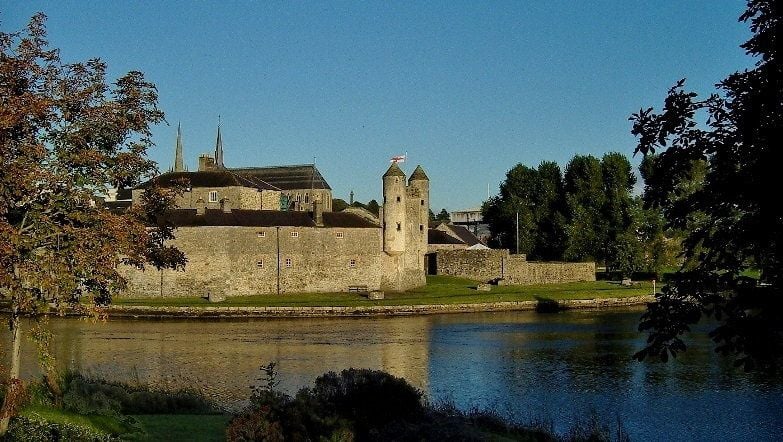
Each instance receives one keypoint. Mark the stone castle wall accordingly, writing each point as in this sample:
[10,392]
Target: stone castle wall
[241,261]
[238,198]
[486,265]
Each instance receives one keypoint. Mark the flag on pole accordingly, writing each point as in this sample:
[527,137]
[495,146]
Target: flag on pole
[398,159]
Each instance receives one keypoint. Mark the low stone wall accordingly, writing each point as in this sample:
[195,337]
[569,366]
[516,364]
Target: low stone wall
[365,310]
[486,265]
[550,272]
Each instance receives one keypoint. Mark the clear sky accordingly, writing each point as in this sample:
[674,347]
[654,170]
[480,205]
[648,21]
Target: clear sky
[467,89]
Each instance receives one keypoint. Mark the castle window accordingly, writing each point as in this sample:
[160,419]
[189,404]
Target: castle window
[261,234]
[294,234]
[399,226]
[421,227]
[260,264]
[213,196]
[340,235]
[398,199]
[307,196]
[422,202]
[288,263]
[352,263]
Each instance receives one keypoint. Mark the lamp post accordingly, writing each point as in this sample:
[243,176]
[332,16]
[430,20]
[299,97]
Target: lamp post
[517,232]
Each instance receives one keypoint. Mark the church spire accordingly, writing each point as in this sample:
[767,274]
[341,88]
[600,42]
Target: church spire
[179,163]
[219,148]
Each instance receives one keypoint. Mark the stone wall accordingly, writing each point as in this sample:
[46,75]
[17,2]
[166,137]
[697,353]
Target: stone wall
[486,265]
[240,261]
[432,248]
[270,200]
[302,199]
[238,197]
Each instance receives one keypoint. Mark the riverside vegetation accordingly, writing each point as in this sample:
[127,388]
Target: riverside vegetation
[356,404]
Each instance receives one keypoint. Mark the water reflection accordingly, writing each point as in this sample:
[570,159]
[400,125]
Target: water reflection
[532,366]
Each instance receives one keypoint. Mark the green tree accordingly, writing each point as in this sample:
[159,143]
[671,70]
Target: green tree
[548,207]
[338,205]
[65,137]
[735,215]
[515,201]
[443,216]
[373,207]
[584,199]
[617,215]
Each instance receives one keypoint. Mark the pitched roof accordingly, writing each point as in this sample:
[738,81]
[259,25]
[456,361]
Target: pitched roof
[303,176]
[440,237]
[464,234]
[209,178]
[394,170]
[263,218]
[418,174]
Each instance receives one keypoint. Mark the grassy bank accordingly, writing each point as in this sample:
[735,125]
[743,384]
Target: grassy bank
[356,404]
[439,290]
[86,409]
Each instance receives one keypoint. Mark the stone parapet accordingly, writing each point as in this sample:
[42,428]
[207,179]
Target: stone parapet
[365,310]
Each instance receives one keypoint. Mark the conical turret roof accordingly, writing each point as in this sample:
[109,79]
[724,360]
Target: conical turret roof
[394,170]
[419,174]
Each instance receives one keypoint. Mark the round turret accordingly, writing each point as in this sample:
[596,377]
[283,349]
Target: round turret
[420,184]
[394,210]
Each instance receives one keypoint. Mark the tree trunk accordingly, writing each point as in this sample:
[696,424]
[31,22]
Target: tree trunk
[14,383]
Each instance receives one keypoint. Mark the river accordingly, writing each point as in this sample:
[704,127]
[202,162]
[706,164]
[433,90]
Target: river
[551,367]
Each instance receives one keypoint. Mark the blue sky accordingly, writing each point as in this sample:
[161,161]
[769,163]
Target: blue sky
[468,89]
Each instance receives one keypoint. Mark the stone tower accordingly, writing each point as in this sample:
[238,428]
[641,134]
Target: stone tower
[418,212]
[393,216]
[405,217]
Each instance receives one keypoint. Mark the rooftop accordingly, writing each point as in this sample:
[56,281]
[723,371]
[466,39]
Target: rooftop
[263,218]
[304,176]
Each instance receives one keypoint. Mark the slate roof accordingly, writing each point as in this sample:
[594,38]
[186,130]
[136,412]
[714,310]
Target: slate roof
[418,174]
[210,178]
[303,176]
[394,170]
[464,234]
[263,218]
[440,237]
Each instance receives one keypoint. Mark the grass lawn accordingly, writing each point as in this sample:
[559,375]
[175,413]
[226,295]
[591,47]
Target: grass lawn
[103,424]
[152,427]
[184,427]
[439,290]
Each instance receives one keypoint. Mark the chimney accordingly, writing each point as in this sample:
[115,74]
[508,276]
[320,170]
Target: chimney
[205,162]
[225,205]
[318,213]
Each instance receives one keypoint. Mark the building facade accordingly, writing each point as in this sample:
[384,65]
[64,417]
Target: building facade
[239,242]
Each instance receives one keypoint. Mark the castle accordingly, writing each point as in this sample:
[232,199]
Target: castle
[271,230]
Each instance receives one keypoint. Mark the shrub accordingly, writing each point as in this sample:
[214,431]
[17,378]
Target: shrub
[91,396]
[30,429]
[368,397]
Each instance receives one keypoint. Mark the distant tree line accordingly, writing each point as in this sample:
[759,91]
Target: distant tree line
[587,213]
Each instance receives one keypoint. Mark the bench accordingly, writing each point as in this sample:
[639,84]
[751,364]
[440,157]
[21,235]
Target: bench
[358,289]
